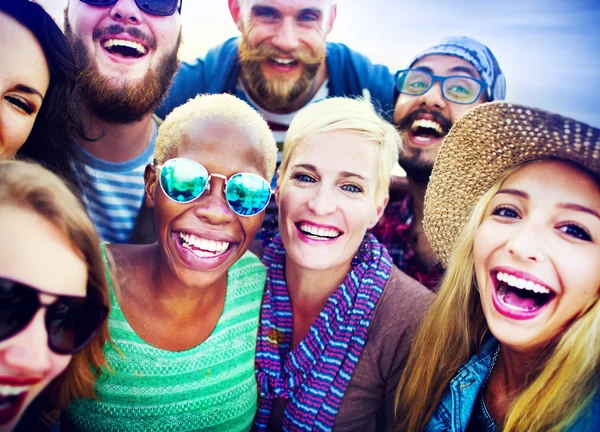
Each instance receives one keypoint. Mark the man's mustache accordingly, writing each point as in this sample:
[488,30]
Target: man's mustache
[404,123]
[114,29]
[262,53]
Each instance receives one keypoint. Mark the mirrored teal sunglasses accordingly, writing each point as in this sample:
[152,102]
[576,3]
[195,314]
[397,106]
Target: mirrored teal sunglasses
[184,180]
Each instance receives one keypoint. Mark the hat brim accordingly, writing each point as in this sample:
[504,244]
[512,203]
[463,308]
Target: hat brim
[483,144]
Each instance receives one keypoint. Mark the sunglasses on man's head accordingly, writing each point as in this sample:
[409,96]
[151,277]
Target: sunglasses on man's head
[71,322]
[154,7]
[184,180]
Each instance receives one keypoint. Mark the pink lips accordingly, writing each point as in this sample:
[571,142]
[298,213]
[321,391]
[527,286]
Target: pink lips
[311,241]
[197,263]
[9,413]
[502,308]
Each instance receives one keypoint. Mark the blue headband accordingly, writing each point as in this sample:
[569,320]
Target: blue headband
[478,55]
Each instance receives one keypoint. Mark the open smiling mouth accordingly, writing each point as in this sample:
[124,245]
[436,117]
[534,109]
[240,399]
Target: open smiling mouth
[426,130]
[201,247]
[125,48]
[318,233]
[281,62]
[11,399]
[522,296]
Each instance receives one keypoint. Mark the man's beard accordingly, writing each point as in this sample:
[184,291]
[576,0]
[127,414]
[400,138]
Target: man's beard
[126,103]
[278,93]
[417,168]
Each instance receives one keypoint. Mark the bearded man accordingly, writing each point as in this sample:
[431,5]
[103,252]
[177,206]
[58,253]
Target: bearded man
[440,85]
[282,63]
[126,52]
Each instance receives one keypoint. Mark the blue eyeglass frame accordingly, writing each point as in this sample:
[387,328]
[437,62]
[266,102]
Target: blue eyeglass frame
[441,79]
[102,3]
[207,187]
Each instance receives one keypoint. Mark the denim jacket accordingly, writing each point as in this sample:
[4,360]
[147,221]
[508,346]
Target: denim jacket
[456,406]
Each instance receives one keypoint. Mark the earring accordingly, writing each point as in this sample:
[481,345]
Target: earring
[363,254]
[268,230]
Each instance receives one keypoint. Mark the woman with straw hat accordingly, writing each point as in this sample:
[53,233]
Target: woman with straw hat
[512,340]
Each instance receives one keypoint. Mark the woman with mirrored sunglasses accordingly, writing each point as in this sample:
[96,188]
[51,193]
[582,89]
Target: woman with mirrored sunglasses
[185,309]
[53,297]
[337,316]
[38,118]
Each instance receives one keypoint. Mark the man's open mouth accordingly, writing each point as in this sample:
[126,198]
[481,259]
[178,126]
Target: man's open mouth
[427,129]
[318,233]
[201,247]
[521,295]
[125,48]
[282,62]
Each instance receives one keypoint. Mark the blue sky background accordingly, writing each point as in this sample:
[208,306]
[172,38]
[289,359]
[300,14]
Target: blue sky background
[549,50]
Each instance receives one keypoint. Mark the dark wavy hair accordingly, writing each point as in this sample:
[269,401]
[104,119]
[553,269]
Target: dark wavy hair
[52,141]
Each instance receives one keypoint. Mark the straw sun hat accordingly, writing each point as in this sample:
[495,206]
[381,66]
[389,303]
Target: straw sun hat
[483,144]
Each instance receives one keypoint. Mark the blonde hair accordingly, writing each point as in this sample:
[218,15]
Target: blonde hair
[223,107]
[454,329]
[355,115]
[36,188]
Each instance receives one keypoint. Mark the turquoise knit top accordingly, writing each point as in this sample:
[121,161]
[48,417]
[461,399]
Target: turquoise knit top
[208,387]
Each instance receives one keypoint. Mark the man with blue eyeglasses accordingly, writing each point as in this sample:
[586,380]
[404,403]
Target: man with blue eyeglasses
[440,85]
[126,53]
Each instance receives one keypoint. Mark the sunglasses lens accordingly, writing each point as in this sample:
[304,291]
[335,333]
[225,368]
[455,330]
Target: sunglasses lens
[158,7]
[72,323]
[18,304]
[247,194]
[183,180]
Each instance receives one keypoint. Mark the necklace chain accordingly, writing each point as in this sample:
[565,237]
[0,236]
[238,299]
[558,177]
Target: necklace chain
[494,358]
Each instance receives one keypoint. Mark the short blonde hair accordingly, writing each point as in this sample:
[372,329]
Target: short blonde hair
[223,107]
[33,187]
[347,114]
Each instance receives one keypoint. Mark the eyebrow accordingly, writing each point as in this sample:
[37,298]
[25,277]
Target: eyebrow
[310,10]
[264,8]
[568,206]
[464,69]
[343,174]
[26,89]
[577,207]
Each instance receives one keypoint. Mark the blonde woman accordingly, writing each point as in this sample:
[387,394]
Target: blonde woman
[512,342]
[337,317]
[53,297]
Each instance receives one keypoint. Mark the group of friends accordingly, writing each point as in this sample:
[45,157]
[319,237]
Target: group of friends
[221,245]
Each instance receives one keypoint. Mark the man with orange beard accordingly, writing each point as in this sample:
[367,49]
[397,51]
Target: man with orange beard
[282,63]
[126,52]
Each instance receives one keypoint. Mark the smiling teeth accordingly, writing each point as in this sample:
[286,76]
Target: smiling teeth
[319,231]
[422,123]
[207,247]
[521,283]
[7,390]
[284,62]
[130,44]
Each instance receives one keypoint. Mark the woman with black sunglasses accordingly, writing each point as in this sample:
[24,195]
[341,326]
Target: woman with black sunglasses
[185,309]
[53,296]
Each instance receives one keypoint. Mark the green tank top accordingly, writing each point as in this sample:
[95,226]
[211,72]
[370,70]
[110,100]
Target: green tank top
[208,387]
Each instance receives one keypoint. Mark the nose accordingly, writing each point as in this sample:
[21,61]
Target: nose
[285,38]
[126,12]
[527,244]
[323,202]
[212,206]
[28,352]
[433,98]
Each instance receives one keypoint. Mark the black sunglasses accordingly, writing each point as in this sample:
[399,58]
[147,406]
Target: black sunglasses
[71,322]
[154,7]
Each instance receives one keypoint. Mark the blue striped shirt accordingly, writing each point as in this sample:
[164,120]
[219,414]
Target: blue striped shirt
[117,192]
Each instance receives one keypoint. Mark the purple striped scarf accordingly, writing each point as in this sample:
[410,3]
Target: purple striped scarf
[315,374]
